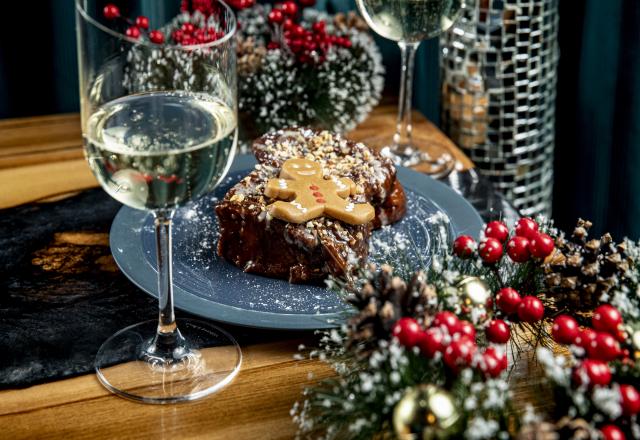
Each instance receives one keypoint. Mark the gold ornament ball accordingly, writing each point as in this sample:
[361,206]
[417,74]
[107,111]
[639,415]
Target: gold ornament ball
[474,292]
[426,412]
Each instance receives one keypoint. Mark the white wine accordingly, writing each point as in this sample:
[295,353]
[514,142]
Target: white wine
[159,150]
[409,20]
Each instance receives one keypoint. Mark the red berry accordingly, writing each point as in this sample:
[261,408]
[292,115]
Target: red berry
[467,329]
[276,16]
[132,32]
[594,371]
[243,4]
[142,22]
[319,26]
[630,400]
[565,329]
[156,37]
[518,249]
[498,331]
[187,28]
[526,227]
[490,250]
[493,362]
[612,432]
[408,331]
[497,230]
[508,300]
[530,309]
[298,31]
[464,246]
[111,11]
[447,320]
[541,245]
[290,8]
[607,318]
[585,337]
[604,347]
[295,45]
[346,43]
[432,342]
[273,45]
[307,3]
[459,353]
[177,35]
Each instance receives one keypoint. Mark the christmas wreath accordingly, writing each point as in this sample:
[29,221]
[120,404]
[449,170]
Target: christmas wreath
[429,351]
[323,72]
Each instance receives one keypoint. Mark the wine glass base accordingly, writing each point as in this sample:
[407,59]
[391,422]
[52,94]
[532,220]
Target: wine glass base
[210,361]
[424,154]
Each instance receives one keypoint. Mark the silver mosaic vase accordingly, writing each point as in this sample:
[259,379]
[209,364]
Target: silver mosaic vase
[498,67]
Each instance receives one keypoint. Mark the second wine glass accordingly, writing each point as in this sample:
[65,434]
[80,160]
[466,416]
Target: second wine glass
[407,22]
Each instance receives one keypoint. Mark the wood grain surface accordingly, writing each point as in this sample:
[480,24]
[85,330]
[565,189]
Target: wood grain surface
[255,405]
[41,158]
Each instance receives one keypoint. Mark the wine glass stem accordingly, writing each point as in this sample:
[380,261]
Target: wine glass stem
[168,337]
[402,138]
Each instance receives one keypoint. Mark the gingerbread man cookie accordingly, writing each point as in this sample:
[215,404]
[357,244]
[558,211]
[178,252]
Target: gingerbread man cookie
[312,196]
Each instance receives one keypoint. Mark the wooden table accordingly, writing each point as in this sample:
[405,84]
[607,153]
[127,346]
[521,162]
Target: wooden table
[41,160]
[41,157]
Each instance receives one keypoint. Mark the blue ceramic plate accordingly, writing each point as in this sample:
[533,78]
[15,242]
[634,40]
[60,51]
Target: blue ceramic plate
[209,286]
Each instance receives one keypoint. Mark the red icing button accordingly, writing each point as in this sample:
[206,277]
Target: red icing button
[321,201]
[317,194]
[314,188]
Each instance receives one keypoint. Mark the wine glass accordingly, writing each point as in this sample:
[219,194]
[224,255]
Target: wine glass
[159,123]
[408,22]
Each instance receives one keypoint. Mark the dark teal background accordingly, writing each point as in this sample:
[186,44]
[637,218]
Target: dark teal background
[598,108]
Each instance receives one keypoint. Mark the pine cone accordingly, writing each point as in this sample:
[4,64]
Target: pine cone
[250,55]
[575,429]
[538,431]
[580,270]
[349,20]
[565,428]
[382,300]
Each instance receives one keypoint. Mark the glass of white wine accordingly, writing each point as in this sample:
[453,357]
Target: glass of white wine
[408,22]
[159,122]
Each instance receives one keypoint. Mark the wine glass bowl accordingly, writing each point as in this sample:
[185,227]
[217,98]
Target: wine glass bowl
[159,123]
[160,150]
[408,22]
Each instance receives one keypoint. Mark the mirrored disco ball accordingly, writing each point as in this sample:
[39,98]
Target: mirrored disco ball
[498,94]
